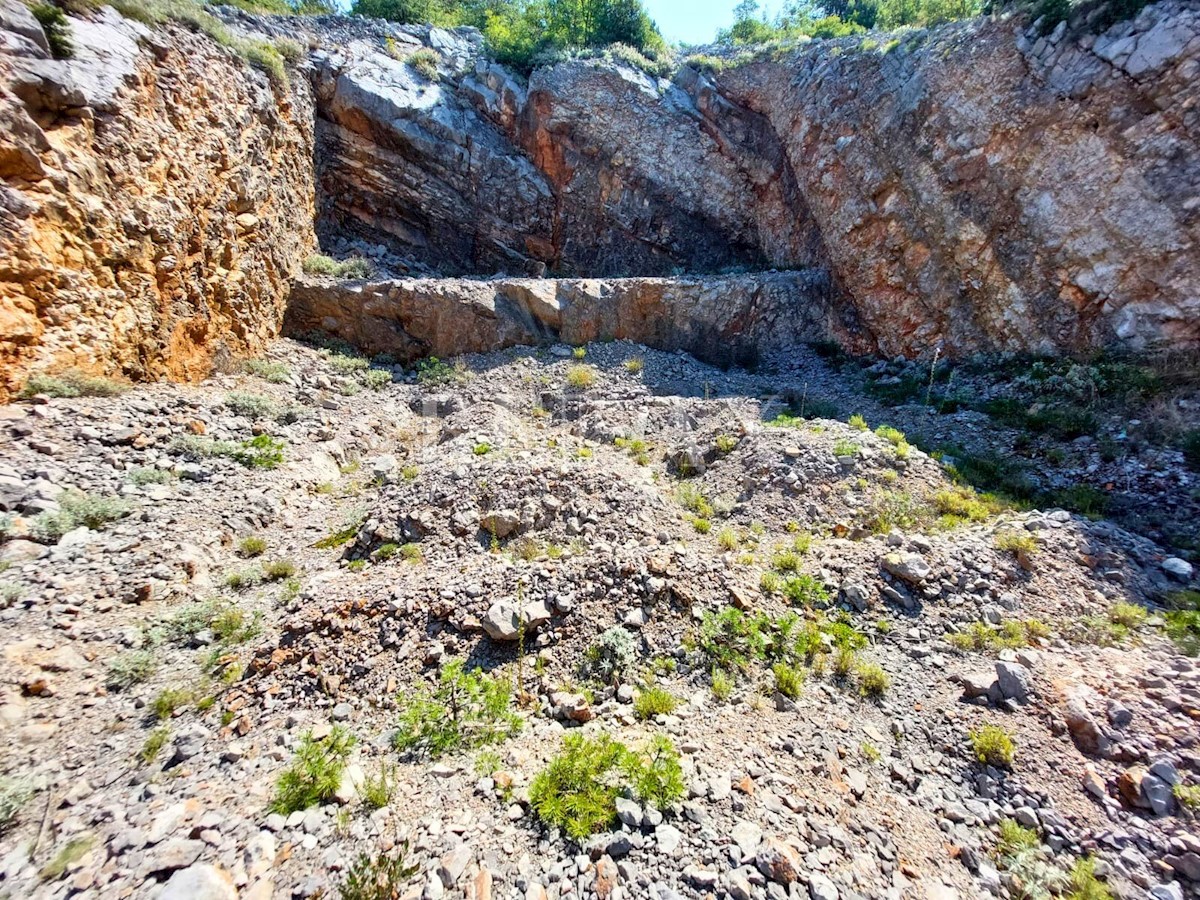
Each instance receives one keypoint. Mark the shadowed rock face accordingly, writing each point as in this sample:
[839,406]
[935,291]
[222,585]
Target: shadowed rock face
[155,200]
[722,320]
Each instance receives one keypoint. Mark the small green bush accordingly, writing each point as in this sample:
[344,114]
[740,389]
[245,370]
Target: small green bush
[14,795]
[168,702]
[425,61]
[858,423]
[260,452]
[71,384]
[1084,884]
[379,877]
[279,570]
[872,680]
[315,772]
[77,509]
[580,377]
[155,741]
[433,372]
[252,406]
[993,746]
[1016,839]
[722,684]
[635,365]
[610,659]
[274,372]
[354,268]
[1016,542]
[465,710]
[56,28]
[654,701]
[578,790]
[377,790]
[130,668]
[149,475]
[789,681]
[1188,795]
[252,546]
[1182,620]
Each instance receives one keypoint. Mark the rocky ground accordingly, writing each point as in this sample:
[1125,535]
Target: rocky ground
[158,670]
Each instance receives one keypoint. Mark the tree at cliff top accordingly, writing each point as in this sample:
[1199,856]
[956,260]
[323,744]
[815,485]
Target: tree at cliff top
[524,32]
[838,18]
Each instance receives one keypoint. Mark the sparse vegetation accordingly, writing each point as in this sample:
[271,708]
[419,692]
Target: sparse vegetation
[130,668]
[154,744]
[425,61]
[872,680]
[1018,542]
[78,509]
[252,546]
[353,268]
[654,701]
[376,790]
[15,793]
[315,772]
[259,452]
[269,370]
[71,384]
[466,709]
[72,852]
[610,659]
[252,406]
[993,746]
[377,877]
[580,377]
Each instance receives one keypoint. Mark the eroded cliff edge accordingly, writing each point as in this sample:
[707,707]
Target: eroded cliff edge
[156,199]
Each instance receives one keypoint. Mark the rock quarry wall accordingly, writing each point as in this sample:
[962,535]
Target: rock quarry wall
[156,198]
[722,320]
[971,188]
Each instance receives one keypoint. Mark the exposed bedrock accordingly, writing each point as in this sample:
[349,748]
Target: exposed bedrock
[722,320]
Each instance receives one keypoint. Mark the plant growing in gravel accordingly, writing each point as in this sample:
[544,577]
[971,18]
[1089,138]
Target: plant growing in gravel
[348,363]
[130,668]
[231,626]
[804,590]
[691,498]
[857,422]
[634,365]
[725,443]
[379,877]
[252,546]
[433,371]
[580,377]
[730,639]
[376,791]
[168,701]
[279,570]
[655,773]
[1019,853]
[1188,795]
[1018,542]
[844,661]
[1083,883]
[844,448]
[702,526]
[74,850]
[14,794]
[315,772]
[482,448]
[579,352]
[71,384]
[961,505]
[240,579]
[770,582]
[252,406]
[466,709]
[260,452]
[654,701]
[789,681]
[993,746]
[610,659]
[870,752]
[274,372]
[872,680]
[78,509]
[149,475]
[722,684]
[1127,615]
[154,744]
[727,540]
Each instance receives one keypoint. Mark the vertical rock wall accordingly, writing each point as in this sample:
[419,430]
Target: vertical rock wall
[156,198]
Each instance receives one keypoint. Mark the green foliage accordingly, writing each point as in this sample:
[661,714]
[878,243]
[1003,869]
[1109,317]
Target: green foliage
[1015,839]
[155,741]
[252,406]
[130,668]
[56,28]
[722,684]
[993,746]
[144,475]
[379,877]
[252,546]
[1188,796]
[1183,620]
[1128,615]
[315,772]
[78,509]
[354,268]
[376,791]
[168,701]
[1019,542]
[74,850]
[71,383]
[466,709]
[654,701]
[14,794]
[1011,635]
[872,680]
[578,790]
[805,590]
[692,498]
[266,57]
[260,452]
[611,657]
[730,639]
[789,680]
[1084,884]
[274,372]
[580,377]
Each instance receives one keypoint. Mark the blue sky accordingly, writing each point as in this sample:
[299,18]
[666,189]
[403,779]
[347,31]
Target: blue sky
[693,21]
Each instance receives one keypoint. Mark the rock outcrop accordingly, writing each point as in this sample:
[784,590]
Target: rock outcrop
[724,321]
[155,200]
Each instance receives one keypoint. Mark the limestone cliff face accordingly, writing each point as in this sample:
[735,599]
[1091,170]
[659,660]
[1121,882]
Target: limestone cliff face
[978,188]
[969,188]
[156,199]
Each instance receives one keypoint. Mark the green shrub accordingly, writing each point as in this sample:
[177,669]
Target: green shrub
[424,62]
[1016,839]
[377,379]
[279,570]
[654,701]
[353,268]
[580,377]
[1188,795]
[1182,620]
[578,790]
[252,546]
[252,406]
[635,365]
[72,851]
[274,372]
[56,28]
[265,57]
[465,710]
[14,795]
[149,475]
[155,741]
[78,509]
[872,680]
[433,372]
[376,791]
[379,877]
[168,701]
[315,772]
[1084,884]
[1127,615]
[130,668]
[722,684]
[858,423]
[730,639]
[71,384]
[804,590]
[692,498]
[260,452]
[993,746]
[1016,542]
[788,680]
[843,448]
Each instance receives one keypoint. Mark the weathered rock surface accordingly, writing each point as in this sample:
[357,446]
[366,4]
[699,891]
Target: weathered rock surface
[156,197]
[721,320]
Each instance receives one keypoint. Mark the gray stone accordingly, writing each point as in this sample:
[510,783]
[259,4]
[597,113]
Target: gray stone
[1016,682]
[908,567]
[199,882]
